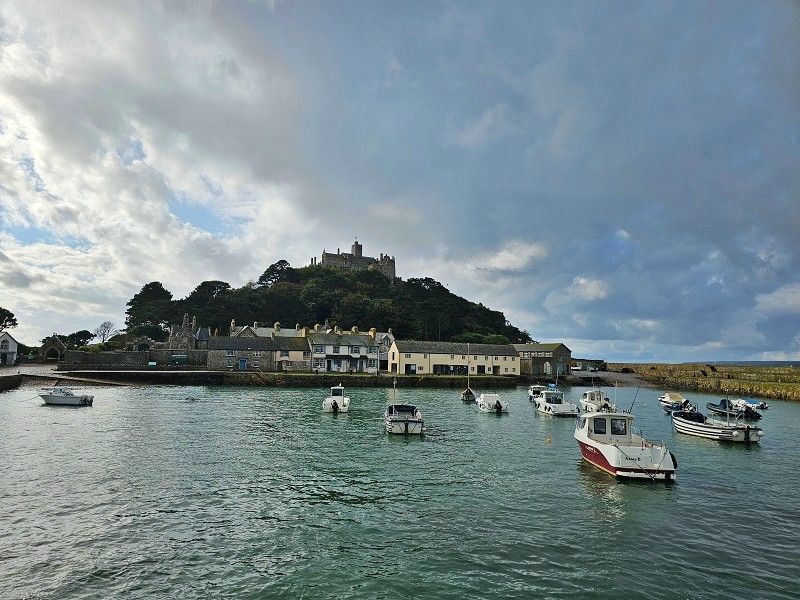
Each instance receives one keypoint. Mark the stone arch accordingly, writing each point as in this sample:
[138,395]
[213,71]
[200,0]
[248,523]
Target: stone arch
[548,368]
[52,349]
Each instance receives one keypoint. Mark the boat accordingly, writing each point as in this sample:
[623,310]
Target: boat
[726,407]
[551,402]
[609,441]
[492,403]
[671,408]
[535,390]
[692,422]
[468,394]
[63,396]
[405,419]
[337,402]
[752,403]
[671,398]
[594,401]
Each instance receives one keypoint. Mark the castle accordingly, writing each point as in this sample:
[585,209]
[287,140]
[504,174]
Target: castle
[355,261]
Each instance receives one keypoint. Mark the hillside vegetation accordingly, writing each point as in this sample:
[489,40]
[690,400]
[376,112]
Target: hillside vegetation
[733,380]
[419,308]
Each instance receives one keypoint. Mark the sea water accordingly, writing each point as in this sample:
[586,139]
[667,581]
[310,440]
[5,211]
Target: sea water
[197,492]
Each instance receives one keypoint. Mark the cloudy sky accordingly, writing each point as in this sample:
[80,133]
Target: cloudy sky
[620,176]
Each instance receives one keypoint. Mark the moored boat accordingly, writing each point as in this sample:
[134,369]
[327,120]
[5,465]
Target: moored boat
[551,402]
[671,398]
[594,401]
[692,422]
[611,443]
[750,402]
[337,402]
[62,396]
[468,394]
[534,391]
[492,403]
[726,408]
[403,419]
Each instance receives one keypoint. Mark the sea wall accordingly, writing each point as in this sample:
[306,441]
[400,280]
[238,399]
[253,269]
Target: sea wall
[782,383]
[10,382]
[248,378]
[77,359]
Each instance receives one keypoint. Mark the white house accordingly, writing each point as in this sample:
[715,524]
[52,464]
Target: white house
[8,349]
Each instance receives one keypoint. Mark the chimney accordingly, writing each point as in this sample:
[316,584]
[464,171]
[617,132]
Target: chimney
[277,326]
[373,331]
[354,330]
[304,332]
[255,324]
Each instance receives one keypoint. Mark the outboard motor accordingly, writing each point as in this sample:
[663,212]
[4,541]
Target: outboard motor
[498,408]
[335,407]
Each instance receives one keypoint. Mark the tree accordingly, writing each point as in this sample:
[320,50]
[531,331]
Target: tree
[7,319]
[105,331]
[279,271]
[151,306]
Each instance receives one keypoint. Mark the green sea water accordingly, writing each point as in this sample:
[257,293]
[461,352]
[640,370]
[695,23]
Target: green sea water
[196,492]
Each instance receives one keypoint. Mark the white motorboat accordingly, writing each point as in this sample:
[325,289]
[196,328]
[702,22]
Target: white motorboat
[692,422]
[742,403]
[610,442]
[551,402]
[534,391]
[594,401]
[62,396]
[671,398]
[337,402]
[404,419]
[491,403]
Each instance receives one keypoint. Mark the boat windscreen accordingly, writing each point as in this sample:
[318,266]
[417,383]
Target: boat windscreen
[337,391]
[404,408]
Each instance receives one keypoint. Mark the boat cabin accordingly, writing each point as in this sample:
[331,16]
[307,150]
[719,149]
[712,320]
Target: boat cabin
[607,427]
[552,396]
[401,411]
[337,391]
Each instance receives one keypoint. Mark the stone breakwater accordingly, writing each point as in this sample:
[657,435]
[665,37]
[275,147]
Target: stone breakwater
[782,383]
[234,378]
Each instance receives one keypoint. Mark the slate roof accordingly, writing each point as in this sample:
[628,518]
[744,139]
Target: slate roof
[291,343]
[341,339]
[234,343]
[538,347]
[455,348]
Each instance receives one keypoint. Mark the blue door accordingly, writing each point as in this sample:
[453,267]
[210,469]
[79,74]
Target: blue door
[242,364]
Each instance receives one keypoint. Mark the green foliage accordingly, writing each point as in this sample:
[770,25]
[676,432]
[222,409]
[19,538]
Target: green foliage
[7,319]
[74,340]
[420,308]
[153,332]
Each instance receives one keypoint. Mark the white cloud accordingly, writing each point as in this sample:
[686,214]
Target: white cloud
[783,301]
[589,288]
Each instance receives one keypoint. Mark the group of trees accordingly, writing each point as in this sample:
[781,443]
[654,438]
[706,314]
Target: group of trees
[415,309]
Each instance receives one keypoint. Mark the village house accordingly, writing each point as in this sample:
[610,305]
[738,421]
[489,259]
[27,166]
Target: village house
[544,359]
[8,349]
[241,354]
[412,357]
[344,352]
[292,353]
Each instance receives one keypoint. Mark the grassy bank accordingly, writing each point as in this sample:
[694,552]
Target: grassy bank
[765,382]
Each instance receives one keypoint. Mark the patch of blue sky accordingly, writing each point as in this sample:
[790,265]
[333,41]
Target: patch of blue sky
[39,235]
[200,216]
[133,152]
[27,164]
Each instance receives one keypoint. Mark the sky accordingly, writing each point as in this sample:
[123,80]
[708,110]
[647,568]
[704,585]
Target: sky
[623,177]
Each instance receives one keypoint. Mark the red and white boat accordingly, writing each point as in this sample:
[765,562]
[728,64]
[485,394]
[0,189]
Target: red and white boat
[609,441]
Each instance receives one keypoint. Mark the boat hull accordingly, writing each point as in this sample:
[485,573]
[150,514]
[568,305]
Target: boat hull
[404,427]
[342,402]
[636,465]
[557,410]
[55,400]
[734,433]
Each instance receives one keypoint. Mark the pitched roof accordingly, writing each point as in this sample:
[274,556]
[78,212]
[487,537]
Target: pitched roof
[235,343]
[9,335]
[539,347]
[291,343]
[341,339]
[455,348]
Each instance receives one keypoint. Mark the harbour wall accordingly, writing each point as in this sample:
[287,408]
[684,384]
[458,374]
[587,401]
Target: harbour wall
[782,383]
[249,378]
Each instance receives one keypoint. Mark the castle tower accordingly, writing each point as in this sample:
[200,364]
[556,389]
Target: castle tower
[357,249]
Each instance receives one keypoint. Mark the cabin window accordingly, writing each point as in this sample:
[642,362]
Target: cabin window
[599,425]
[619,427]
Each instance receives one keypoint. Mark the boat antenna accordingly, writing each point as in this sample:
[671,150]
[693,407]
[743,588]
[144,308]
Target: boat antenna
[630,410]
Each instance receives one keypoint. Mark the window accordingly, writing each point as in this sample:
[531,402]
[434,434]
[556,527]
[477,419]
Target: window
[513,359]
[505,358]
[319,363]
[319,349]
[230,353]
[4,345]
[513,369]
[452,356]
[485,358]
[336,349]
[284,354]
[373,350]
[257,354]
[306,354]
[424,356]
[463,357]
[599,425]
[619,427]
[355,350]
[392,355]
[372,363]
[229,363]
[256,363]
[474,357]
[407,355]
[506,370]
